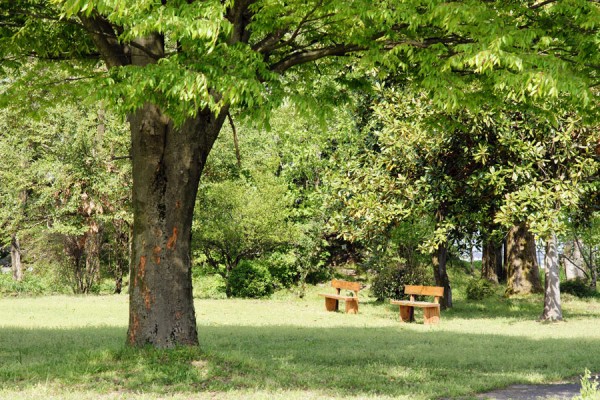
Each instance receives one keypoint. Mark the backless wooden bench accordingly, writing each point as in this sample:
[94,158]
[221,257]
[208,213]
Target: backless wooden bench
[332,300]
[431,311]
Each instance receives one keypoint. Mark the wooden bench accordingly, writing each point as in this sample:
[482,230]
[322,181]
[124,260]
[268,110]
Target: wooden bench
[332,300]
[431,311]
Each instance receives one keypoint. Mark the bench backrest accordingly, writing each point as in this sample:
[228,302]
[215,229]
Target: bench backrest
[353,286]
[435,291]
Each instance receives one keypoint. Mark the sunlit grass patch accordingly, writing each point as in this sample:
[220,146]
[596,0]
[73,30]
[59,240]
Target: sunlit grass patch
[289,348]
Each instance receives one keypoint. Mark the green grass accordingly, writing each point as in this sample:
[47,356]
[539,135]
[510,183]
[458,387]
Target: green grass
[73,348]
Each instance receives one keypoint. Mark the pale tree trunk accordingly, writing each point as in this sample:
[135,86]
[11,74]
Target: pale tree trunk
[93,243]
[491,255]
[440,256]
[523,271]
[573,261]
[471,258]
[552,308]
[15,257]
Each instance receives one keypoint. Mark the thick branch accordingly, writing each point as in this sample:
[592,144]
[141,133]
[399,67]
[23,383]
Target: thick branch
[313,55]
[106,40]
[541,4]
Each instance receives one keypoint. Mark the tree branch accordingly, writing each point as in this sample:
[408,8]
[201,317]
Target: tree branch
[235,141]
[541,4]
[105,39]
[305,56]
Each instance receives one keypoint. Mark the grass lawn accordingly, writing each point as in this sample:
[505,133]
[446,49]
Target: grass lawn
[286,348]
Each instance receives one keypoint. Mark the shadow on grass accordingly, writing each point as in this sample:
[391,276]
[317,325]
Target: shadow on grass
[339,361]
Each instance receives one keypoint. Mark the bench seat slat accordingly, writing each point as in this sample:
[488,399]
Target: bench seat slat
[338,296]
[421,304]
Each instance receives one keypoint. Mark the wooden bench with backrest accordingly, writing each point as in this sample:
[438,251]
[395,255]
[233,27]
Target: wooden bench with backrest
[332,300]
[431,311]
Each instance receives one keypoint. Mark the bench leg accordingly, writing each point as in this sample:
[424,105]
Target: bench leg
[431,315]
[331,304]
[407,314]
[351,307]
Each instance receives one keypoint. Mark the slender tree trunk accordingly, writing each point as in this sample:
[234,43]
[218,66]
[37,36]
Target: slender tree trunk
[523,271]
[471,257]
[440,256]
[503,272]
[93,243]
[500,265]
[491,254]
[15,257]
[552,308]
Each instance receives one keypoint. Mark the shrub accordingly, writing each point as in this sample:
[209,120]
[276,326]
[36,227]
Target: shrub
[577,287]
[250,279]
[209,287]
[479,289]
[389,282]
[283,268]
[31,285]
[590,389]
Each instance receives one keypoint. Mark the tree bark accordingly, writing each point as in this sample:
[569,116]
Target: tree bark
[167,164]
[440,256]
[552,308]
[15,257]
[523,271]
[491,255]
[500,263]
[92,246]
[503,273]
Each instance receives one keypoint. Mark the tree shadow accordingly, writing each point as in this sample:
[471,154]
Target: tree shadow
[339,361]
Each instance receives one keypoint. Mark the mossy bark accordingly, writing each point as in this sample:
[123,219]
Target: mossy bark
[523,270]
[439,259]
[491,260]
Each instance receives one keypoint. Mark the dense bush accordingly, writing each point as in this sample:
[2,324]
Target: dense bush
[209,287]
[577,287]
[283,268]
[250,279]
[389,282]
[31,285]
[479,289]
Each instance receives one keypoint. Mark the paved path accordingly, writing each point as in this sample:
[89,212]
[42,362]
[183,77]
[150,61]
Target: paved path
[562,391]
[555,391]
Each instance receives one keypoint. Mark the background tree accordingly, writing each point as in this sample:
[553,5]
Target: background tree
[61,185]
[242,220]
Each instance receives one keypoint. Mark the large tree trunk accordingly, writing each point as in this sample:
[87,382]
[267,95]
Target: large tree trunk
[552,308]
[440,256]
[15,257]
[167,164]
[491,256]
[523,271]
